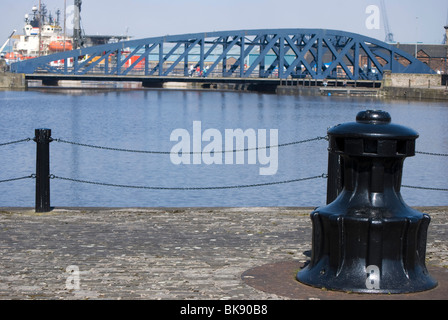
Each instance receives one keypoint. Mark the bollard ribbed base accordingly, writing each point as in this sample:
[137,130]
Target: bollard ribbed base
[362,254]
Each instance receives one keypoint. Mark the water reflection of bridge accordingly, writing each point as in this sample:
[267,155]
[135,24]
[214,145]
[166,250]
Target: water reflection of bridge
[261,57]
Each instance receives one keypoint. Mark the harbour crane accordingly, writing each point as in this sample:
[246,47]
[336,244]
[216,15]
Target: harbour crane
[389,34]
[78,38]
[6,43]
[445,36]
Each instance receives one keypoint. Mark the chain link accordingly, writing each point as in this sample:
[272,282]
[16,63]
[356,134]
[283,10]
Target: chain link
[14,142]
[432,153]
[425,188]
[188,188]
[108,148]
[16,179]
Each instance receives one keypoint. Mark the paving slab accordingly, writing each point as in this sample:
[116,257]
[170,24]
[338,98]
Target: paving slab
[172,254]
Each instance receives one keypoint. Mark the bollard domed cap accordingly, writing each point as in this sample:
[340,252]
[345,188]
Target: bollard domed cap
[373,116]
[373,134]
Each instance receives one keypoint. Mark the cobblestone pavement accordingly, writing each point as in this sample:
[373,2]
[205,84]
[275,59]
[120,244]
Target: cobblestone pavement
[158,253]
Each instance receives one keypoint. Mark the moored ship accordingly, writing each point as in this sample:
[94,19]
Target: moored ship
[40,37]
[44,35]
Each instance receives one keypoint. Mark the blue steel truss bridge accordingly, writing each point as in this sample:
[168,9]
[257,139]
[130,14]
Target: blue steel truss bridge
[229,56]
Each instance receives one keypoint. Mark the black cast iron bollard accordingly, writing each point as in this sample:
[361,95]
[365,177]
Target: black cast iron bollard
[368,240]
[43,139]
[334,180]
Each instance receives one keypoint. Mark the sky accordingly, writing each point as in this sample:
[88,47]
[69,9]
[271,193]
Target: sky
[410,21]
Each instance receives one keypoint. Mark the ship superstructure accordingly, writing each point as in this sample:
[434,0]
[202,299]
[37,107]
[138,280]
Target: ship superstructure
[43,35]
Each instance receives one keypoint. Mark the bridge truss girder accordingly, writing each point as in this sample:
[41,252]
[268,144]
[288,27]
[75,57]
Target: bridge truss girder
[282,53]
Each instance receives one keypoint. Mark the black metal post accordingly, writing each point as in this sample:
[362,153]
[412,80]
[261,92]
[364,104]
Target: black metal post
[43,139]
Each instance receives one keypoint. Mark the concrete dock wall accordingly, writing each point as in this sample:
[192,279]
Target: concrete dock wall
[397,85]
[413,80]
[413,86]
[415,93]
[12,81]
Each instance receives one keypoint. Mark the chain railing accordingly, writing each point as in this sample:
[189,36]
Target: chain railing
[189,188]
[191,152]
[42,179]
[15,142]
[432,154]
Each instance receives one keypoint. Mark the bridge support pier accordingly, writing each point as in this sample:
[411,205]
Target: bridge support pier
[50,82]
[152,84]
[262,87]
